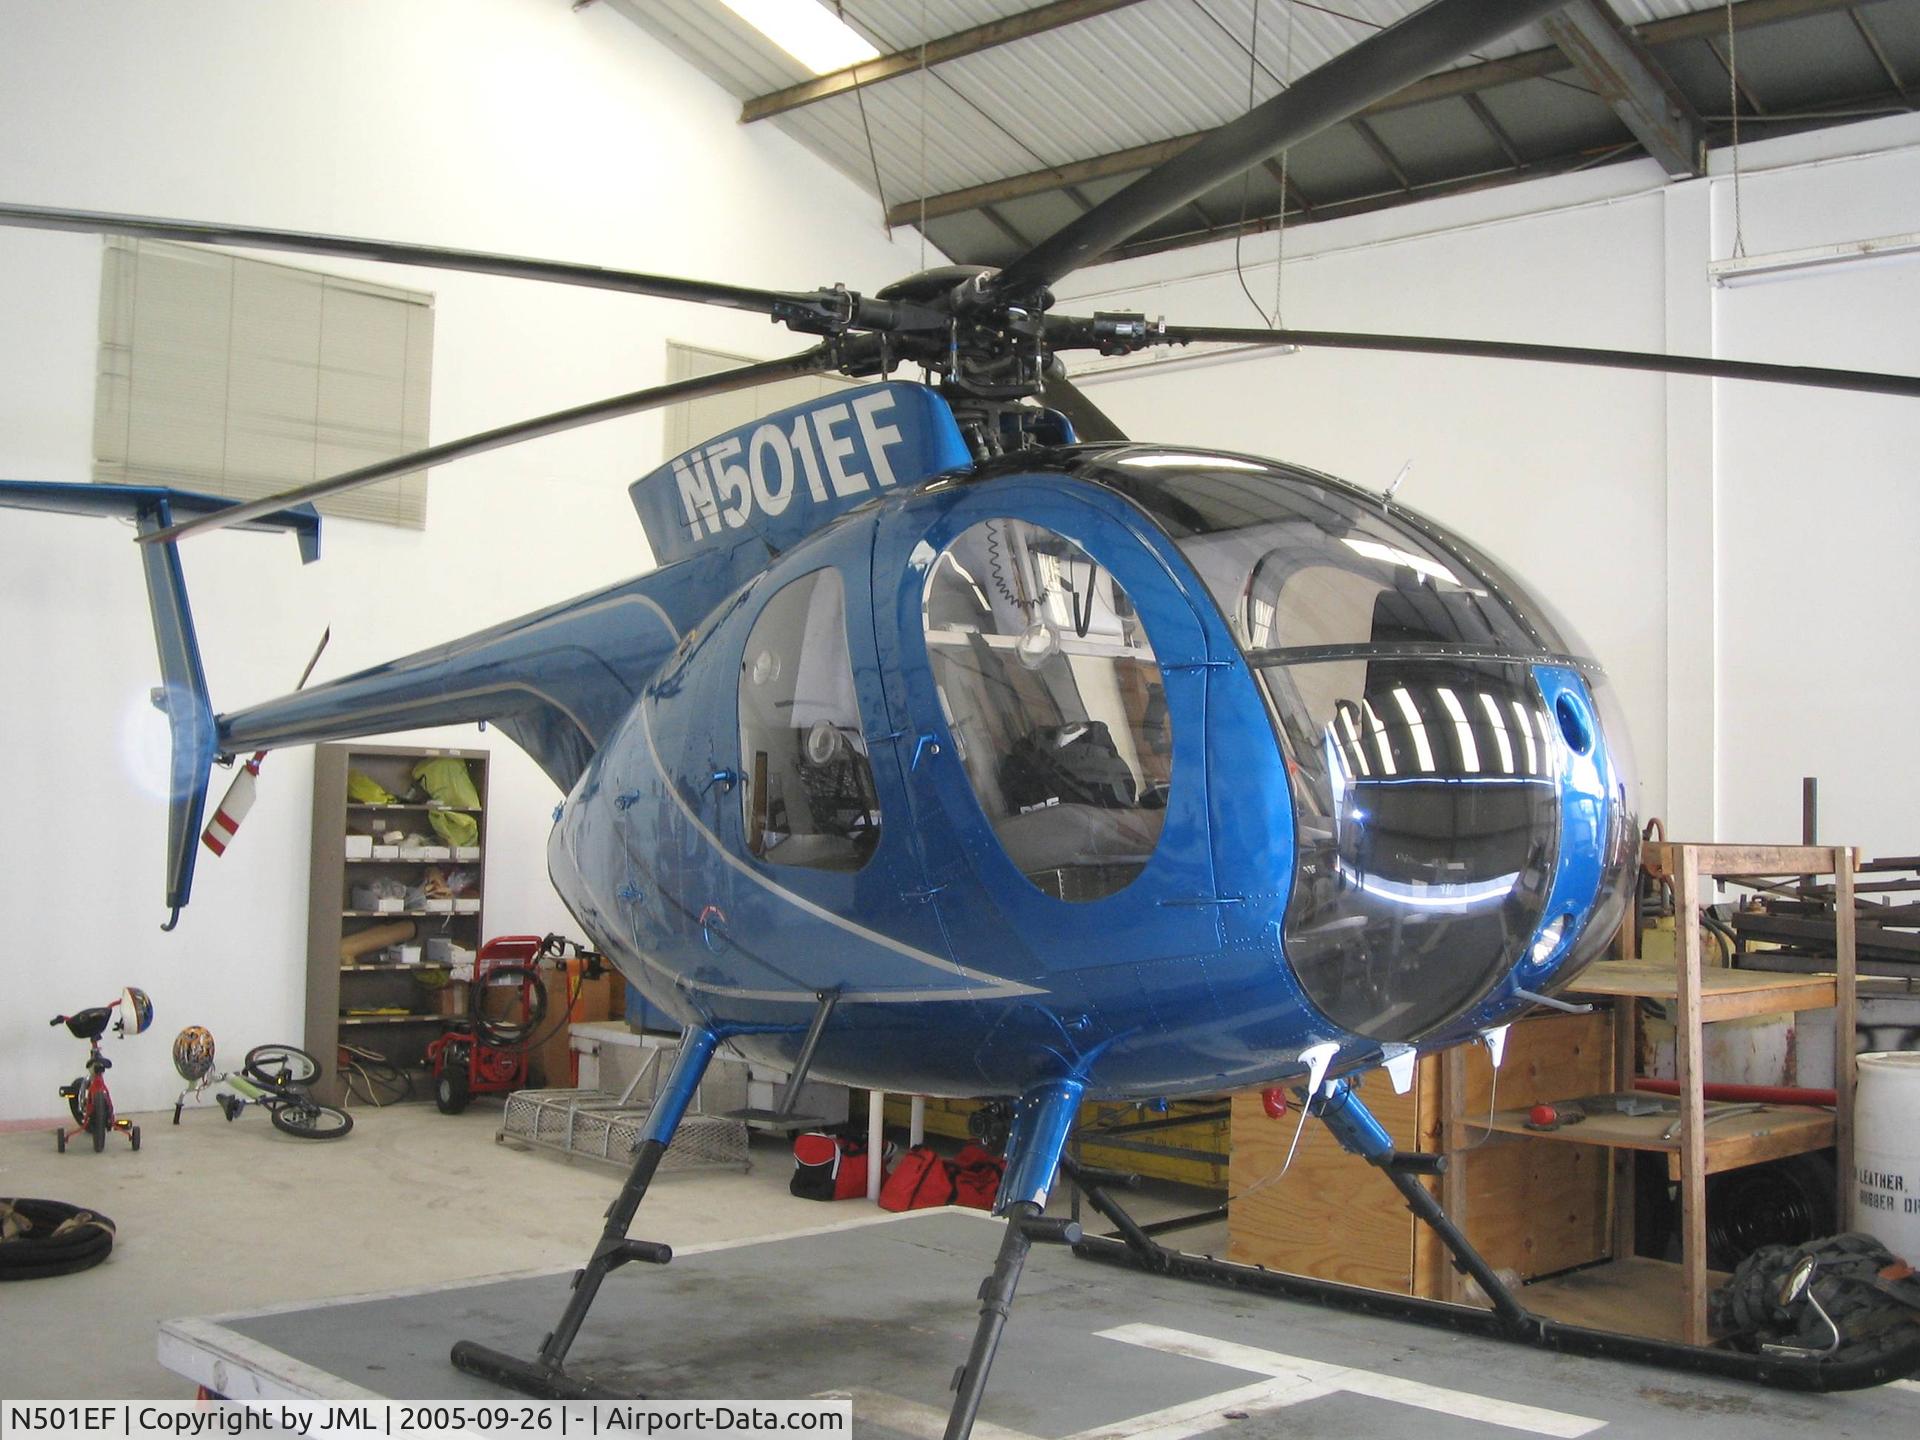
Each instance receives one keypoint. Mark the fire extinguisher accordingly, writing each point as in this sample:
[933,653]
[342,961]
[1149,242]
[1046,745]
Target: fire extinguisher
[238,800]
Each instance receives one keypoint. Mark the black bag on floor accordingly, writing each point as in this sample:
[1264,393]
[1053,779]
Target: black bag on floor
[828,1167]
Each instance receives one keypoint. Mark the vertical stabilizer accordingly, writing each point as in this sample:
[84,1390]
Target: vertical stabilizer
[182,692]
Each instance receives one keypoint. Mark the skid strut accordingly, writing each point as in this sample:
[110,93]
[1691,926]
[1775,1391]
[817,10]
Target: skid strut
[546,1375]
[1034,1149]
[1354,1126]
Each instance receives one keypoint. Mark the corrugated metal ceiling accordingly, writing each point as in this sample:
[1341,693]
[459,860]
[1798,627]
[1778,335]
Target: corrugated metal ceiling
[1151,71]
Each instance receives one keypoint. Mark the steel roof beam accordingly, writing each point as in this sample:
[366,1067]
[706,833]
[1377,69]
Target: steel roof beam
[935,52]
[1366,204]
[1466,80]
[1624,73]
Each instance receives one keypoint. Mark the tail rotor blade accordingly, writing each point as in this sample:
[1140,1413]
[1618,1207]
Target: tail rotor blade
[632,403]
[1867,381]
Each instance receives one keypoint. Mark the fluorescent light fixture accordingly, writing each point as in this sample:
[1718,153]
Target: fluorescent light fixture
[1185,460]
[1492,707]
[1469,751]
[1525,727]
[1421,749]
[1394,555]
[1379,737]
[806,30]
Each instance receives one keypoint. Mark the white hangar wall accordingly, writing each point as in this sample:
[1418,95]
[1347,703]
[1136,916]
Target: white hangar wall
[509,125]
[1740,556]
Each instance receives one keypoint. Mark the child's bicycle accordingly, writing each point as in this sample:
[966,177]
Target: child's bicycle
[88,1099]
[274,1076]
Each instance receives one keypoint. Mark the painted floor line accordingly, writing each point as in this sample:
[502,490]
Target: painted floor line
[1209,1412]
[1463,1404]
[912,1417]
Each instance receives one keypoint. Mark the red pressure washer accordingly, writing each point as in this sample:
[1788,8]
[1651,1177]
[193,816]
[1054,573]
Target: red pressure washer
[483,1054]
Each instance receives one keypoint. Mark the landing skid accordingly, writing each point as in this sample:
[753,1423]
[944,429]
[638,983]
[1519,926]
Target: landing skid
[1508,1320]
[1036,1151]
[1041,1122]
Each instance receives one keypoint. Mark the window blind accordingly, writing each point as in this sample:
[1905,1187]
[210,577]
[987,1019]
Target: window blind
[243,377]
[692,421]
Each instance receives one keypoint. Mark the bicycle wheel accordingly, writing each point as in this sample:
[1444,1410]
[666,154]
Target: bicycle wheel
[276,1066]
[99,1121]
[75,1103]
[310,1120]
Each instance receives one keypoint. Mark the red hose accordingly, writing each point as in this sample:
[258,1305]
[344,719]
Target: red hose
[1765,1094]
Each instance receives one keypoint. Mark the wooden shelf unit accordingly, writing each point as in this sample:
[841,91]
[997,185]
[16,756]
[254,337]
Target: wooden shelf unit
[1638,1292]
[335,987]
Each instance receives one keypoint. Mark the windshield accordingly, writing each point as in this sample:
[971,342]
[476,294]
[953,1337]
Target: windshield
[1398,667]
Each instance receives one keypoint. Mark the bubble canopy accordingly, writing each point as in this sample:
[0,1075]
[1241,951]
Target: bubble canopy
[1398,665]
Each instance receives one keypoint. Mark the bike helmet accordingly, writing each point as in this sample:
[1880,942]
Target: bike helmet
[193,1053]
[136,1012]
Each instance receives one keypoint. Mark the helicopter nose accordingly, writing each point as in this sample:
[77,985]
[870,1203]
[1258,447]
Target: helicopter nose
[1433,817]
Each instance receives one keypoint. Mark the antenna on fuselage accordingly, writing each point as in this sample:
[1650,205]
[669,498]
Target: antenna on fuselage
[1386,495]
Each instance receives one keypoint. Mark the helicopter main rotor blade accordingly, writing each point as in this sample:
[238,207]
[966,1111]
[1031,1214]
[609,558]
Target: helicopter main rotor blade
[1089,421]
[631,403]
[1404,52]
[392,252]
[1869,381]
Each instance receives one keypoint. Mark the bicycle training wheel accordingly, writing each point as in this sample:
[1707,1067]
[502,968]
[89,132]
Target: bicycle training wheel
[76,1101]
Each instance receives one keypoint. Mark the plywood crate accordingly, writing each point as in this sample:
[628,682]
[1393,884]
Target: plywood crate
[1534,1209]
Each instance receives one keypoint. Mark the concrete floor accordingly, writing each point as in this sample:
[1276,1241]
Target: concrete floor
[214,1217]
[881,1313]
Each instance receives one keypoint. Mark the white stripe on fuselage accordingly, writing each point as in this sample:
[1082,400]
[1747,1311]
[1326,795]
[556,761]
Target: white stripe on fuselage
[988,986]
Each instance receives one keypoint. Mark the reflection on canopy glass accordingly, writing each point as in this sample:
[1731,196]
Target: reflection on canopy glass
[1054,699]
[1425,769]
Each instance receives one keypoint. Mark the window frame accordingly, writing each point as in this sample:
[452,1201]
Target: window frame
[863,751]
[964,860]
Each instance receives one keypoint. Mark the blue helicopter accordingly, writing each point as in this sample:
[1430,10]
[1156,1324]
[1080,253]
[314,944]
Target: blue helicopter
[961,746]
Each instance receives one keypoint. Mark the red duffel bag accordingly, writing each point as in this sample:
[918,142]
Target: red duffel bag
[921,1180]
[976,1176]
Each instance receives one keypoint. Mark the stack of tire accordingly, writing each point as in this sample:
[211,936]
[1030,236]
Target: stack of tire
[43,1238]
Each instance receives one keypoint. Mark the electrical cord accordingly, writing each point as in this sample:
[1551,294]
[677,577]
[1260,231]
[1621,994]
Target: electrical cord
[372,1077]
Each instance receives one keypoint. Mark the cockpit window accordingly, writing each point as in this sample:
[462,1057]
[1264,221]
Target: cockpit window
[807,788]
[1398,667]
[1297,560]
[1054,698]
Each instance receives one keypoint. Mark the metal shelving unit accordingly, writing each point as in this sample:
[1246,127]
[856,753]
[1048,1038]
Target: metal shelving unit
[335,988]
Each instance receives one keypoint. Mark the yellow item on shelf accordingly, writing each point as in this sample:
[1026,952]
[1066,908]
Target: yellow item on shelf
[448,782]
[365,790]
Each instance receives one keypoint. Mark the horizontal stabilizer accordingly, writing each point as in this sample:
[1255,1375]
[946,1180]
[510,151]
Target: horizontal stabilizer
[129,501]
